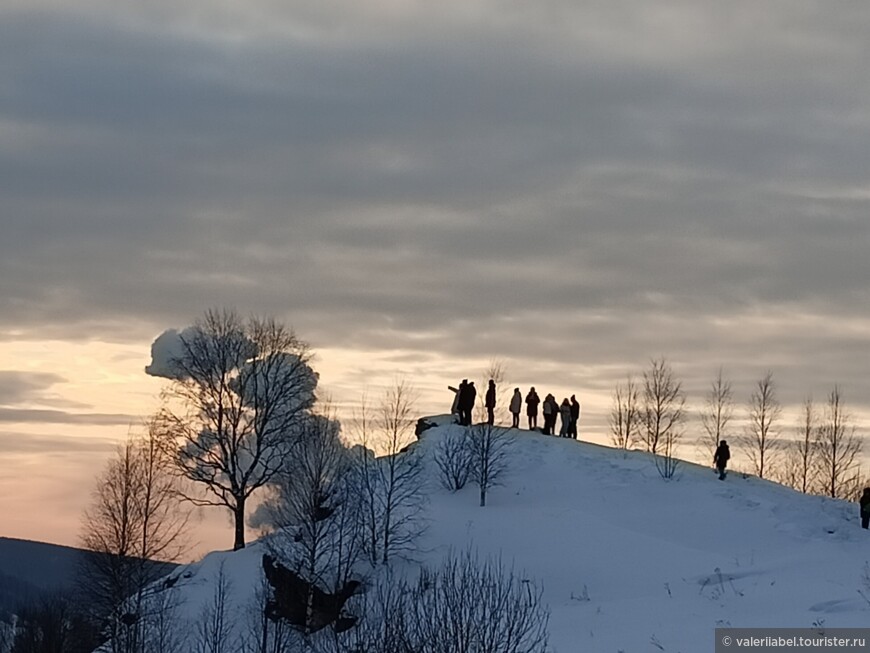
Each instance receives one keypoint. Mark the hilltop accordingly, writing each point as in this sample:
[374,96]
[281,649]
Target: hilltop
[628,561]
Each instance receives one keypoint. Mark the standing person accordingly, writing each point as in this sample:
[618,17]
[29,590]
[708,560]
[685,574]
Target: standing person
[549,413]
[554,414]
[565,414]
[532,401]
[515,407]
[865,508]
[575,416]
[461,400]
[721,458]
[490,403]
[454,407]
[470,398]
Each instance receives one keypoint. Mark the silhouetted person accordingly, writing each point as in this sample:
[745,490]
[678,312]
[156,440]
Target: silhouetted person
[490,403]
[551,411]
[454,407]
[865,508]
[466,404]
[565,414]
[532,401]
[575,416]
[721,458]
[515,407]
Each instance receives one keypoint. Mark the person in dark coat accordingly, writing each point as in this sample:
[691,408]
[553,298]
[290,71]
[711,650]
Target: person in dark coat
[490,403]
[565,414]
[515,407]
[551,413]
[575,417]
[468,406]
[721,458]
[532,401]
[865,508]
[461,400]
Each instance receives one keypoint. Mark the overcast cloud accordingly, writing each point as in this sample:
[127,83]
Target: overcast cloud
[560,184]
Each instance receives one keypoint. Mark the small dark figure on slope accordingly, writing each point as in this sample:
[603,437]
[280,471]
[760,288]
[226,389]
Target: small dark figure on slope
[721,457]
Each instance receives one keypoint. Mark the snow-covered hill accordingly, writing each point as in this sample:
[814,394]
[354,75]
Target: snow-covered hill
[629,561]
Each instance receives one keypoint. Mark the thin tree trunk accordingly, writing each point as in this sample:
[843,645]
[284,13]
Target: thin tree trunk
[239,519]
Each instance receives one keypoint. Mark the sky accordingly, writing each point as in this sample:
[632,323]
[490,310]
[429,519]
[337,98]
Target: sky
[418,188]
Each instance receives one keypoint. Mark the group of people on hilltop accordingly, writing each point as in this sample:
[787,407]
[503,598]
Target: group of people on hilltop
[568,411]
[463,401]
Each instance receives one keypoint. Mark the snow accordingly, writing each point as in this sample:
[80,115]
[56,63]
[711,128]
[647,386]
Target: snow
[630,561]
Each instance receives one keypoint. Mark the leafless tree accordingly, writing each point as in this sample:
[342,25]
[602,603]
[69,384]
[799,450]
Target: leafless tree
[317,510]
[839,448]
[453,459]
[215,629]
[801,468]
[463,605]
[134,520]
[762,428]
[259,633]
[390,485]
[663,407]
[489,451]
[717,413]
[49,624]
[625,415]
[238,392]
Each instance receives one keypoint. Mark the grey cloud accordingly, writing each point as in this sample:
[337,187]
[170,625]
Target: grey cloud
[24,415]
[27,443]
[487,180]
[21,387]
[18,387]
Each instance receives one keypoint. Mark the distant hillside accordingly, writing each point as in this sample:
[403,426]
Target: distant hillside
[29,569]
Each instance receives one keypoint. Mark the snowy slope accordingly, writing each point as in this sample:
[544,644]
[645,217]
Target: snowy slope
[629,561]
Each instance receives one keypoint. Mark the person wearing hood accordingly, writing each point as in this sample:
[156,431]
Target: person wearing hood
[865,508]
[721,458]
[532,401]
[516,406]
[490,403]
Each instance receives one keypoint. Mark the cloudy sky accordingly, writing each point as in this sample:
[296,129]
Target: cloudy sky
[417,188]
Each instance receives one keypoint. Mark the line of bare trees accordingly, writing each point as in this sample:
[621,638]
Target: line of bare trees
[821,458]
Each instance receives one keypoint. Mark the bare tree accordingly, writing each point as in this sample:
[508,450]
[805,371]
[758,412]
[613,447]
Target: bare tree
[625,414]
[801,467]
[215,629]
[489,449]
[390,485]
[717,413]
[134,521]
[317,511]
[839,448]
[464,605]
[238,392]
[49,624]
[453,459]
[663,408]
[762,431]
